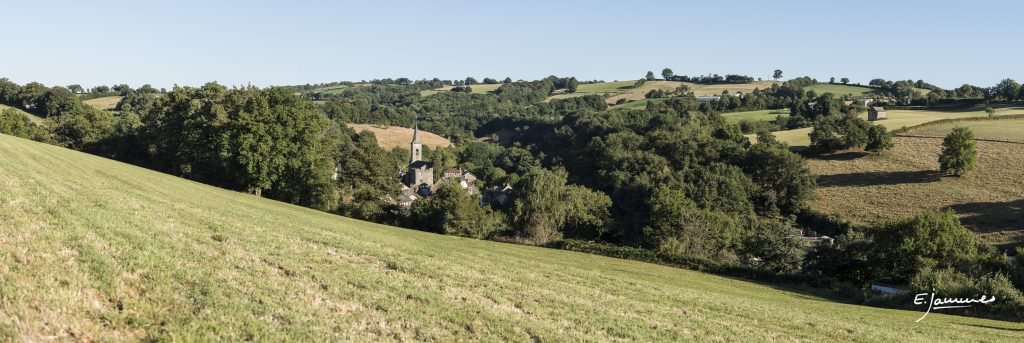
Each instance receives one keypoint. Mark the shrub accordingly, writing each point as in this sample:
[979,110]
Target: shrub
[878,139]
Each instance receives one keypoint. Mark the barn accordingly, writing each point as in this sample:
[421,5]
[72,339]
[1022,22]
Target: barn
[876,113]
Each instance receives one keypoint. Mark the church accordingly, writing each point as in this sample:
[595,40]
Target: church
[418,178]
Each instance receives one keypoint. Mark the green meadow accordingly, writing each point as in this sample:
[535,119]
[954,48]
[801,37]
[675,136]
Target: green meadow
[97,250]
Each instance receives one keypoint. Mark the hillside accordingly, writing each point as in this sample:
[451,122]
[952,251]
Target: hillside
[92,249]
[104,103]
[867,188]
[898,119]
[840,89]
[389,137]
[614,91]
[35,119]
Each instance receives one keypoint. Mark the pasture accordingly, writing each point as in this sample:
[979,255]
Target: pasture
[389,137]
[899,119]
[759,115]
[475,89]
[105,103]
[97,250]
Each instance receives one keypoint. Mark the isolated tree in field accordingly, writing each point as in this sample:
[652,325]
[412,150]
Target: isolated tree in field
[490,81]
[832,79]
[649,76]
[959,154]
[507,80]
[470,81]
[76,88]
[667,73]
[845,80]
[990,111]
[777,74]
[879,139]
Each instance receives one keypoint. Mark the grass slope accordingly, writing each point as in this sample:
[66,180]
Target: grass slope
[1006,130]
[840,89]
[481,88]
[35,119]
[93,249]
[104,103]
[389,137]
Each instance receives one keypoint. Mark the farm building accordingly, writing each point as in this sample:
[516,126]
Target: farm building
[876,113]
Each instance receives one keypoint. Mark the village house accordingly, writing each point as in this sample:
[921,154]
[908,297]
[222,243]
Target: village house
[418,178]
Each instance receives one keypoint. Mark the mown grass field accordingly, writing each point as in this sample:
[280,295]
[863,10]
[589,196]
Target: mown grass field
[96,250]
[35,119]
[898,119]
[1006,130]
[389,137]
[104,103]
[614,91]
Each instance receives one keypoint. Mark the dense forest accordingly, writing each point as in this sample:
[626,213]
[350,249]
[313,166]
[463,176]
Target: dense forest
[673,180]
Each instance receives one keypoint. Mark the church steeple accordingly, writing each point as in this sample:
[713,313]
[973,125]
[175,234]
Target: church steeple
[416,147]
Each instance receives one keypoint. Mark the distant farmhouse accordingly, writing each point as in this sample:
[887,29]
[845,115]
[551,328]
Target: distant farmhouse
[876,113]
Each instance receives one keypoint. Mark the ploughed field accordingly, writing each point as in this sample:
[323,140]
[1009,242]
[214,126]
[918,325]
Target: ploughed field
[93,249]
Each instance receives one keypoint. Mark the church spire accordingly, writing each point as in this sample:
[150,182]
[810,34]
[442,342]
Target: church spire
[415,147]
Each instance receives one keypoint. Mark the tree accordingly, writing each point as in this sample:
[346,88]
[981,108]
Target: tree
[772,246]
[546,209]
[453,211]
[77,89]
[1007,89]
[832,79]
[839,132]
[678,226]
[470,81]
[649,76]
[845,80]
[507,80]
[777,74]
[990,111]
[786,183]
[878,139]
[929,239]
[959,155]
[666,73]
[490,81]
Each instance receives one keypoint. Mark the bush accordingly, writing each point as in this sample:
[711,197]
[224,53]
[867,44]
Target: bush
[879,139]
[834,132]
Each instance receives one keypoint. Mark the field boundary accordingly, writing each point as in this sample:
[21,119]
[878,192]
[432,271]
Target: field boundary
[977,139]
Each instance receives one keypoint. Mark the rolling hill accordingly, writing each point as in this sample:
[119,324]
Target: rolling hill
[93,249]
[35,119]
[389,137]
[897,119]
[105,103]
[614,91]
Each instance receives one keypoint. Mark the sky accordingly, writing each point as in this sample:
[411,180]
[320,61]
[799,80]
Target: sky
[297,42]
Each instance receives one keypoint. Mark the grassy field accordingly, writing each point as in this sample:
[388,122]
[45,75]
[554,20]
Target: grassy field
[389,137]
[32,117]
[760,115]
[868,188]
[1007,130]
[475,89]
[840,89]
[97,250]
[613,91]
[104,103]
[898,119]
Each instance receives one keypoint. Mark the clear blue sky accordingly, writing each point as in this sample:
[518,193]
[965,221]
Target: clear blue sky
[291,42]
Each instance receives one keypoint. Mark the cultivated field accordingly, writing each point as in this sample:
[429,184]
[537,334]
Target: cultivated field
[32,117]
[389,137]
[104,103]
[840,89]
[96,250]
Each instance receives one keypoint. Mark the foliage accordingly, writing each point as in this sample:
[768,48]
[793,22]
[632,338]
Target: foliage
[959,154]
[879,139]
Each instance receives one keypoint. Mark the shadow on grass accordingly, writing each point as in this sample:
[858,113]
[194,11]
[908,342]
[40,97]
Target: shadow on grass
[842,156]
[991,216]
[878,178]
[991,327]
